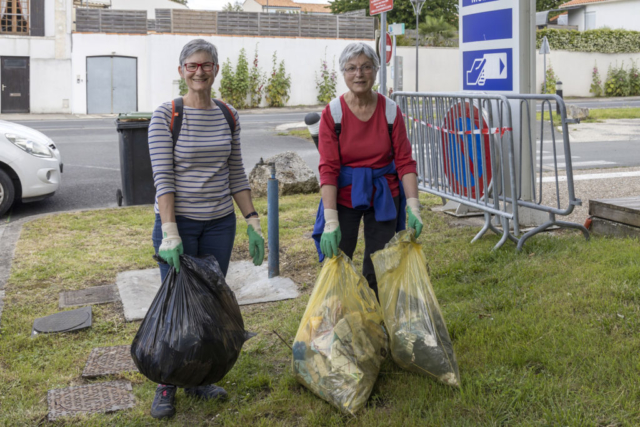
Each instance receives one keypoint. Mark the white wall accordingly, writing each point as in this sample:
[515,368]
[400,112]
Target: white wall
[50,58]
[576,17]
[158,62]
[437,69]
[617,14]
[50,86]
[252,6]
[149,5]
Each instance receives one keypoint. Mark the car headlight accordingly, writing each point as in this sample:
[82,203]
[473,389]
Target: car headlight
[34,148]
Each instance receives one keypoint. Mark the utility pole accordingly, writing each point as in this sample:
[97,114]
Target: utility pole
[417,8]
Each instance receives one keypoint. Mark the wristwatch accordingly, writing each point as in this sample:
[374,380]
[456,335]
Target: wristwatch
[254,213]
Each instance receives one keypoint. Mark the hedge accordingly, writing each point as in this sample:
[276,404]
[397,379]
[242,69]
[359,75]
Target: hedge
[603,40]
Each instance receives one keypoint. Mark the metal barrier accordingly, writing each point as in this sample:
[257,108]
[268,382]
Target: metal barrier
[538,172]
[464,147]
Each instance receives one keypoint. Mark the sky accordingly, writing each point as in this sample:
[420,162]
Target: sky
[219,4]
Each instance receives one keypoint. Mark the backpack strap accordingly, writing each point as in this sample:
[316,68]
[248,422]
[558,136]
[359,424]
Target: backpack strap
[390,112]
[228,115]
[177,113]
[335,107]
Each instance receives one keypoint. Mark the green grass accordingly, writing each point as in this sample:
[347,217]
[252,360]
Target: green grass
[546,337]
[299,132]
[598,115]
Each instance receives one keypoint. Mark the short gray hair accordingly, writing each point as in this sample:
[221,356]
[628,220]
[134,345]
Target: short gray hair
[198,45]
[356,49]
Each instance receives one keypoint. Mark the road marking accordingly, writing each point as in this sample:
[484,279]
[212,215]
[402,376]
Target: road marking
[592,176]
[66,165]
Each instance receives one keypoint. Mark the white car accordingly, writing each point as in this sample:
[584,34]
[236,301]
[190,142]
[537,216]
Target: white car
[30,165]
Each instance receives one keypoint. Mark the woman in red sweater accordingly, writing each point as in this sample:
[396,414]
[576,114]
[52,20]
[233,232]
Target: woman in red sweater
[366,167]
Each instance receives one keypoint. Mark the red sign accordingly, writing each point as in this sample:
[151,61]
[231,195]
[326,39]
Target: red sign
[379,6]
[389,48]
[465,141]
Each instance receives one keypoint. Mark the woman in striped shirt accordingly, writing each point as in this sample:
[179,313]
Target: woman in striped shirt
[195,182]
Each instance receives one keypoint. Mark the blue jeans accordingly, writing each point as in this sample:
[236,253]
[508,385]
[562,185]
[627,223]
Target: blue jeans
[214,237]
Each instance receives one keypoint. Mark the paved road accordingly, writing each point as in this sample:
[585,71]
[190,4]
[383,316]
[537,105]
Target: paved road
[89,149]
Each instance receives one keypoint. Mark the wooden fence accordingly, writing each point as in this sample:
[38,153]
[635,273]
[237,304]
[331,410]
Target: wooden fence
[111,21]
[180,21]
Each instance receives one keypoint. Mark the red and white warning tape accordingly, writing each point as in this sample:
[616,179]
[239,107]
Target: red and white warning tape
[483,131]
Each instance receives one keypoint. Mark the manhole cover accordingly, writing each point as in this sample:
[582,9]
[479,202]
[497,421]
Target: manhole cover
[108,361]
[89,399]
[96,295]
[65,321]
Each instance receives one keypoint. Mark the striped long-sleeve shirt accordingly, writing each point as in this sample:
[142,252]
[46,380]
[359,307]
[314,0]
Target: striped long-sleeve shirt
[204,169]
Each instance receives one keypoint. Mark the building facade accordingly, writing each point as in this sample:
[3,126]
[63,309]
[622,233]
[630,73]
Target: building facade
[593,14]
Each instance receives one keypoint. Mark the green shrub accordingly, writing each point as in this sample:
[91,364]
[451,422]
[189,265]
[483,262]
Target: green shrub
[603,40]
[327,82]
[596,81]
[634,79]
[278,85]
[234,86]
[551,81]
[617,83]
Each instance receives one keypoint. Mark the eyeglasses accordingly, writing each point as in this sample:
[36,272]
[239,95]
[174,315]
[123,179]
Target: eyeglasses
[352,69]
[193,67]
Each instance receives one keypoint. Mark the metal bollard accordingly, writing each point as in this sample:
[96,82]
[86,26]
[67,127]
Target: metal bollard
[559,93]
[273,221]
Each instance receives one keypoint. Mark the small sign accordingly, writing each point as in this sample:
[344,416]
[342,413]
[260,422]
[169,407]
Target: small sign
[396,29]
[15,94]
[545,49]
[379,6]
[389,49]
[485,26]
[488,70]
[474,2]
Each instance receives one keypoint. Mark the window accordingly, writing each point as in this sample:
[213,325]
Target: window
[589,21]
[14,17]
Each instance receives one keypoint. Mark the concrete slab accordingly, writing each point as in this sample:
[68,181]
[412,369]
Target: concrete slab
[250,284]
[95,295]
[90,399]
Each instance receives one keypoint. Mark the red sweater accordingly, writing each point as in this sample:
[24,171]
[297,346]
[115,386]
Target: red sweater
[363,145]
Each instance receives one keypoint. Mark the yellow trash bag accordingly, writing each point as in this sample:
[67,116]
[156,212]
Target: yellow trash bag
[419,340]
[341,342]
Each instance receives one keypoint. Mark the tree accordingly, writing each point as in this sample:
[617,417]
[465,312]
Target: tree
[403,11]
[235,7]
[438,31]
[548,4]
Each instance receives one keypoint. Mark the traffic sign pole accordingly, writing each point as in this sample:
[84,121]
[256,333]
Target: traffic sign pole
[383,53]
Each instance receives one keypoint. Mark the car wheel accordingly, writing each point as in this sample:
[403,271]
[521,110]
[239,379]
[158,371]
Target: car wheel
[7,192]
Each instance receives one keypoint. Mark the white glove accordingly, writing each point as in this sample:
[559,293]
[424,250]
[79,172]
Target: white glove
[413,211]
[254,221]
[171,247]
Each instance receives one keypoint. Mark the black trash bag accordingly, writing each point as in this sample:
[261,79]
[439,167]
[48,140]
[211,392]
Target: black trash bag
[193,332]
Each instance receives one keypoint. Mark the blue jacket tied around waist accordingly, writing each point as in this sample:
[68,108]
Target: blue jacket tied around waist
[362,181]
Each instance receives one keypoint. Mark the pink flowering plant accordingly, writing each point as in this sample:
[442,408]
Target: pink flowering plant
[596,82]
[257,80]
[552,78]
[326,83]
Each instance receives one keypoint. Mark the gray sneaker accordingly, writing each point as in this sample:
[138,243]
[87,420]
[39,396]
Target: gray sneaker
[207,392]
[163,403]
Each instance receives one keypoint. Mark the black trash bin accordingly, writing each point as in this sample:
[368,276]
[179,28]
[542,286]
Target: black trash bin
[135,163]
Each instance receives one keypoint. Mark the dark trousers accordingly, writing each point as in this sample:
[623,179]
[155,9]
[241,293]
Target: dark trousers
[376,235]
[214,237]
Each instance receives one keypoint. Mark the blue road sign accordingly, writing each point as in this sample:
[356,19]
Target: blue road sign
[485,26]
[488,70]
[474,2]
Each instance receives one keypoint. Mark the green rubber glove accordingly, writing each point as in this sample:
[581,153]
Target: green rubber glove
[171,247]
[415,220]
[331,236]
[256,240]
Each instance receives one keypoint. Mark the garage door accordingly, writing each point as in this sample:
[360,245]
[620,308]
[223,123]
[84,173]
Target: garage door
[112,84]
